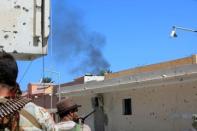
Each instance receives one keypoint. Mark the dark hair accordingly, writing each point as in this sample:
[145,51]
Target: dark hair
[63,114]
[8,69]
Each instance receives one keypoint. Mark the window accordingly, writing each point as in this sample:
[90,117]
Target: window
[96,102]
[127,106]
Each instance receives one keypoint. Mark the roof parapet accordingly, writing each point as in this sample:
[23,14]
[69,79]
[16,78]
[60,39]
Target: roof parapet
[154,67]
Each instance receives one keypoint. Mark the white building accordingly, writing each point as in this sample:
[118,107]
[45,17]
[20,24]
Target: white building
[160,97]
[24,28]
[93,78]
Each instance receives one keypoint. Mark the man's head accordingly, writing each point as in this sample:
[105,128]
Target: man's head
[8,74]
[67,110]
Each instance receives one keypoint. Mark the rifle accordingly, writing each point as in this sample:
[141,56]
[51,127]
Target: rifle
[82,119]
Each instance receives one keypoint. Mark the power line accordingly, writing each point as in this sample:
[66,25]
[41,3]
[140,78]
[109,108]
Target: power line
[26,70]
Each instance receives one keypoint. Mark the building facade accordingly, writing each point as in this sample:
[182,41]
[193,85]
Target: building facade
[159,97]
[45,94]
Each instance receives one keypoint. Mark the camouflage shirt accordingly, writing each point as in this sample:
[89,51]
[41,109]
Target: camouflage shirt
[41,115]
[44,118]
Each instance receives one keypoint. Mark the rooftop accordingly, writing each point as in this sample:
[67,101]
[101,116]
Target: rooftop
[154,67]
[152,75]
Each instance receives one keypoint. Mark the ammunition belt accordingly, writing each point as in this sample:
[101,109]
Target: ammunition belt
[11,106]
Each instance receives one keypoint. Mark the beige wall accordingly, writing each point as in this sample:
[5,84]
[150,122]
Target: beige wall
[165,108]
[154,67]
[45,101]
[154,109]
[86,108]
[38,88]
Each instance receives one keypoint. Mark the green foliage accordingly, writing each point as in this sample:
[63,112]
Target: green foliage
[47,80]
[103,72]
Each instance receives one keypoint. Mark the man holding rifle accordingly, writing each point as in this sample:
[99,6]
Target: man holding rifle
[67,111]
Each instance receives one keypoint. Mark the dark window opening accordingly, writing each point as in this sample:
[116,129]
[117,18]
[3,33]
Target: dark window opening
[96,102]
[127,106]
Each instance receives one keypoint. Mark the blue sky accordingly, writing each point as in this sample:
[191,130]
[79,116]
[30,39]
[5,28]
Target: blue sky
[136,34]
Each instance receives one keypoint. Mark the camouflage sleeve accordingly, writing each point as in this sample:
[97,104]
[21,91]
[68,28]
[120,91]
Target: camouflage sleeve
[42,116]
[46,121]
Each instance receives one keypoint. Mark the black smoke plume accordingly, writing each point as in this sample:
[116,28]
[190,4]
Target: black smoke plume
[73,44]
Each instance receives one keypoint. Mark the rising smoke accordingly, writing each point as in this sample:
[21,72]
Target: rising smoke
[79,48]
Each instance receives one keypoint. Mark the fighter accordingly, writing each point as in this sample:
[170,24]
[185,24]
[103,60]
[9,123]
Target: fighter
[67,111]
[17,113]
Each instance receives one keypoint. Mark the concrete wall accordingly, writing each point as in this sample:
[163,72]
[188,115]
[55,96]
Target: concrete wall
[86,108]
[164,108]
[154,109]
[21,28]
[45,101]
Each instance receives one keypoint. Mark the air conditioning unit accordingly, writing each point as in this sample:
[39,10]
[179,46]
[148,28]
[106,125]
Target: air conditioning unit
[24,27]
